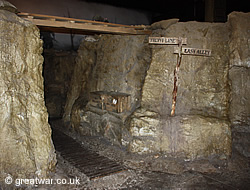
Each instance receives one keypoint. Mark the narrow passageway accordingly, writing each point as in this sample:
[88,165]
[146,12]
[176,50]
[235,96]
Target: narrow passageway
[90,163]
[231,174]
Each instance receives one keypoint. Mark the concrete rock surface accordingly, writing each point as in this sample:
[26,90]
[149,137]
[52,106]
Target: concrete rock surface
[210,90]
[202,81]
[109,63]
[164,24]
[58,69]
[240,99]
[26,148]
[211,96]
[85,62]
[5,5]
[187,136]
[200,127]
[239,41]
[239,73]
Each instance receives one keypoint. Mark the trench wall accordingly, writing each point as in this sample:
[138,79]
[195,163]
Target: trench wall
[212,91]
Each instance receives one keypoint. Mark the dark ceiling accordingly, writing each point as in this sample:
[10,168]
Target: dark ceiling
[156,5]
[185,10]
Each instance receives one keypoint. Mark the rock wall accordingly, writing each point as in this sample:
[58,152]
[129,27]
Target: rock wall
[26,148]
[203,86]
[58,70]
[200,124]
[85,62]
[107,63]
[211,95]
[239,72]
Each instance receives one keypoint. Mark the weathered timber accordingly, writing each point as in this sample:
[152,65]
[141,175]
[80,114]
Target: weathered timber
[167,40]
[81,26]
[110,101]
[194,51]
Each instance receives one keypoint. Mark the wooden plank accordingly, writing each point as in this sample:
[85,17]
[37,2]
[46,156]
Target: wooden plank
[81,24]
[166,40]
[98,28]
[194,51]
[66,30]
[74,19]
[110,101]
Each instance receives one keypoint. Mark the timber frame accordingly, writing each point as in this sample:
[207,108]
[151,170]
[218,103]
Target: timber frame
[80,26]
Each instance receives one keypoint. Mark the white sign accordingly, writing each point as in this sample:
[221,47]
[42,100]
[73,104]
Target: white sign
[194,51]
[165,40]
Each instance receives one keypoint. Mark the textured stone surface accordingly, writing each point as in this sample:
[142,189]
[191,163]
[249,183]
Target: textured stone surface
[211,91]
[109,63]
[239,73]
[5,5]
[200,127]
[121,64]
[96,123]
[240,39]
[26,148]
[58,69]
[241,136]
[164,24]
[85,62]
[188,136]
[240,95]
[203,86]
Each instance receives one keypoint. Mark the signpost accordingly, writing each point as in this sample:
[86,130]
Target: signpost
[167,41]
[180,51]
[194,51]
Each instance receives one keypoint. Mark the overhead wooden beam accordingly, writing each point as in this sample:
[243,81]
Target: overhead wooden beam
[81,26]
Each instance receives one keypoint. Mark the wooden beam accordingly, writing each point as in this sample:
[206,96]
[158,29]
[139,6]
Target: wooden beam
[72,25]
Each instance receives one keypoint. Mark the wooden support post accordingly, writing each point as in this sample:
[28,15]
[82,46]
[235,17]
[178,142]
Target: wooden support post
[176,77]
[172,41]
[180,51]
